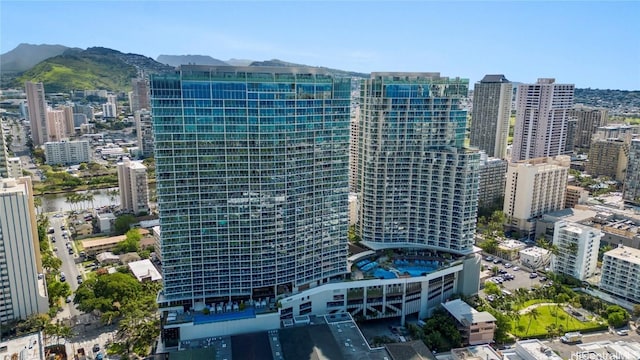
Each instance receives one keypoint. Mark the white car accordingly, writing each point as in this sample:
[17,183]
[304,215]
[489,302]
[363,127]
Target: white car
[516,268]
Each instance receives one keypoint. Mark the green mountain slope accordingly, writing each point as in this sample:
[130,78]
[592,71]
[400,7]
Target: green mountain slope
[94,68]
[334,72]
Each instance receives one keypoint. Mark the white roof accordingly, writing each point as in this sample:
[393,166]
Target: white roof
[144,269]
[626,254]
[465,314]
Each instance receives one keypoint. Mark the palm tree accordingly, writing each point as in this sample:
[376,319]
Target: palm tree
[533,315]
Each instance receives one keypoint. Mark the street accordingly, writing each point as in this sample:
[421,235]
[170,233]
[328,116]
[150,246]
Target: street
[68,267]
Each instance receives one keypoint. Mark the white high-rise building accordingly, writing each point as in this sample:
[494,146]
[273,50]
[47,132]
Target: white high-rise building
[621,273]
[37,106]
[144,131]
[542,115]
[417,183]
[534,187]
[110,108]
[578,247]
[23,294]
[490,115]
[133,186]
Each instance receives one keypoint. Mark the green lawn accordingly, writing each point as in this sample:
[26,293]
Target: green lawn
[546,316]
[534,301]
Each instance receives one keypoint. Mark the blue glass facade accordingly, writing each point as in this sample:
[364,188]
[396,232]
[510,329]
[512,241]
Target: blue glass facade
[252,167]
[418,184]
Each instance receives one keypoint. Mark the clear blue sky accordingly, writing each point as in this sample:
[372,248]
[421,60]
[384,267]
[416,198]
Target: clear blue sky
[590,44]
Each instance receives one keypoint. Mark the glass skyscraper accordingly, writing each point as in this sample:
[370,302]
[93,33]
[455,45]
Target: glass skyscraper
[252,180]
[417,183]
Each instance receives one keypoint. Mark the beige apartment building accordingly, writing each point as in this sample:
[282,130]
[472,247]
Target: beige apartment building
[542,117]
[133,185]
[587,122]
[476,327]
[534,187]
[575,196]
[37,112]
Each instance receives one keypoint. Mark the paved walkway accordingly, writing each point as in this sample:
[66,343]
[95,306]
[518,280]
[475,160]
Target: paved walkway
[528,308]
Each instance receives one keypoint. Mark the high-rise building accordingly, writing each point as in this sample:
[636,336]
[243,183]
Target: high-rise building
[60,123]
[578,246]
[353,150]
[608,157]
[133,186]
[534,187]
[631,190]
[144,132]
[490,115]
[4,155]
[37,106]
[542,114]
[252,181]
[110,108]
[67,152]
[492,178]
[417,183]
[139,96]
[23,294]
[588,120]
[621,273]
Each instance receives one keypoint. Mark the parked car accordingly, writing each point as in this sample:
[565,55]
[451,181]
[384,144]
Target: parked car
[489,258]
[622,332]
[516,268]
[96,348]
[508,265]
[68,300]
[497,261]
[533,276]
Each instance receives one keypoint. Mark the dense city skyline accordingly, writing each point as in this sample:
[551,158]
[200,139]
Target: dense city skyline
[590,44]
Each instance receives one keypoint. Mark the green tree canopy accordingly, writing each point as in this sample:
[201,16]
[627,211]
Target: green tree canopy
[123,223]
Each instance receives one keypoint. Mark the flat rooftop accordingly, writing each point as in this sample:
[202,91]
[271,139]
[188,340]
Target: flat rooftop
[465,314]
[625,253]
[334,337]
[28,347]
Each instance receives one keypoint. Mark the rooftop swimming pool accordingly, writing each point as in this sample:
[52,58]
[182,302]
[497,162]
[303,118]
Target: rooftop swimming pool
[398,268]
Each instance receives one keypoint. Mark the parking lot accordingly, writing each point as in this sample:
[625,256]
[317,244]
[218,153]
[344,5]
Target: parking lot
[520,278]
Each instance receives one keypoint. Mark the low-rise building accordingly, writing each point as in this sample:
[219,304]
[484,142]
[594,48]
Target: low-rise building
[476,327]
[621,273]
[95,246]
[14,167]
[535,257]
[576,195]
[479,352]
[67,152]
[532,349]
[144,270]
[509,249]
[105,221]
